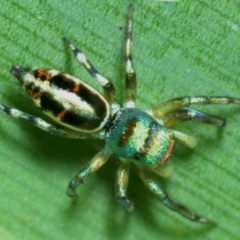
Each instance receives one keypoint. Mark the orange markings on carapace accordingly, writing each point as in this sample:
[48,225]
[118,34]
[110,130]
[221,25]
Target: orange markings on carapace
[62,113]
[43,74]
[167,155]
[128,133]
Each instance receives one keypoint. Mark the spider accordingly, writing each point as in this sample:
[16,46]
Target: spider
[135,136]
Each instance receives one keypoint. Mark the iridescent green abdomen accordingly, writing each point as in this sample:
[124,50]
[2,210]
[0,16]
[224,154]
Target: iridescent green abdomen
[135,135]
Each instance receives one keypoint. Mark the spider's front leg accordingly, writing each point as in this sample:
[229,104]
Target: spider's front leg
[181,102]
[186,114]
[152,184]
[92,166]
[121,185]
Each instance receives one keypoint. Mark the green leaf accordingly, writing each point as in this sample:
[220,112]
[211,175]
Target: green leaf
[180,48]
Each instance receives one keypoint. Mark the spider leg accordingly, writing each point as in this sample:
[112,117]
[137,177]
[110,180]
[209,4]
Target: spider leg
[178,103]
[40,123]
[190,141]
[130,76]
[186,114]
[152,184]
[121,185]
[92,166]
[108,87]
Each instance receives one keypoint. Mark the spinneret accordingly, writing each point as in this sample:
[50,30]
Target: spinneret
[133,135]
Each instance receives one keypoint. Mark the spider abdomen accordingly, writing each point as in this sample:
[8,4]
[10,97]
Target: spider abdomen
[134,135]
[67,100]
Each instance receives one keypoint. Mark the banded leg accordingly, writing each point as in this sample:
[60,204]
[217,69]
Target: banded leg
[109,90]
[186,114]
[121,185]
[40,123]
[152,184]
[178,103]
[130,78]
[190,141]
[92,166]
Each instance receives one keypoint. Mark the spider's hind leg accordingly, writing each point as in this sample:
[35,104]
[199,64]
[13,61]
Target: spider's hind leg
[40,123]
[108,87]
